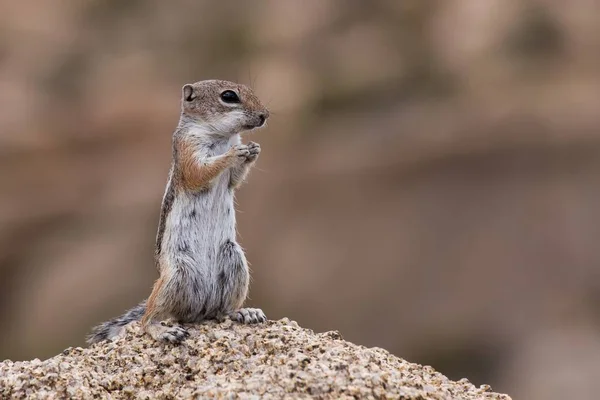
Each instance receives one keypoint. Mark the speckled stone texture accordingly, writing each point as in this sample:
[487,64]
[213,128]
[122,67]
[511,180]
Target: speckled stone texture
[275,360]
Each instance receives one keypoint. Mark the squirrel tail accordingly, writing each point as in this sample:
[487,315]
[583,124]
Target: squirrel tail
[116,326]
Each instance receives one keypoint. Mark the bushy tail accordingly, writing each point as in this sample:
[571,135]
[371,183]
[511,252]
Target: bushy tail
[116,326]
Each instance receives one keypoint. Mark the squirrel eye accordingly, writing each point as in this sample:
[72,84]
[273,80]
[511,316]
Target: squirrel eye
[229,96]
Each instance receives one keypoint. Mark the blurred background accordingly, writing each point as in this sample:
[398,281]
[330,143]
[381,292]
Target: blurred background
[429,181]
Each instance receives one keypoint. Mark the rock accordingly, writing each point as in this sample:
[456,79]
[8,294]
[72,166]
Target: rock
[278,359]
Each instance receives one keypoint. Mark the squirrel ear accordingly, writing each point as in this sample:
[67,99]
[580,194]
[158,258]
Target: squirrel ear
[188,93]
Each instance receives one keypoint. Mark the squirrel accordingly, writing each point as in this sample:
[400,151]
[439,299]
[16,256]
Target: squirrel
[203,270]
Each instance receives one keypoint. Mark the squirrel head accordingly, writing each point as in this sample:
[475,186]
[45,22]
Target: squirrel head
[223,107]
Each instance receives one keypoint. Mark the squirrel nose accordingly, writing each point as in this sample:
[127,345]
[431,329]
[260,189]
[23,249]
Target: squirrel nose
[262,118]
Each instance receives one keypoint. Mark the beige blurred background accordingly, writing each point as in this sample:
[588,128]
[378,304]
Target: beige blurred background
[429,181]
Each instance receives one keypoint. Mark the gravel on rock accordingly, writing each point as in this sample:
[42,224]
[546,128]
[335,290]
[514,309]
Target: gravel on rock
[274,360]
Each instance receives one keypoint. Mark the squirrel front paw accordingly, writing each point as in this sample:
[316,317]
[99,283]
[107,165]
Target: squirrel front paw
[245,153]
[240,151]
[254,149]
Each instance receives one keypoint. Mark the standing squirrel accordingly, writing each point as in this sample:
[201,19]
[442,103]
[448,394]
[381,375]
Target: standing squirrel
[203,270]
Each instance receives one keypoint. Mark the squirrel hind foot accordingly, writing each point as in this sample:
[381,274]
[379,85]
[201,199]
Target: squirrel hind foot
[248,316]
[164,333]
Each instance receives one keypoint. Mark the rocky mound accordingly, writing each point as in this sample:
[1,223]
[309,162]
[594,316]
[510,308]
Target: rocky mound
[275,360]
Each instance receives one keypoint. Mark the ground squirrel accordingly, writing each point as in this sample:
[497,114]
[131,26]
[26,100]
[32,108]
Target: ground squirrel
[203,270]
